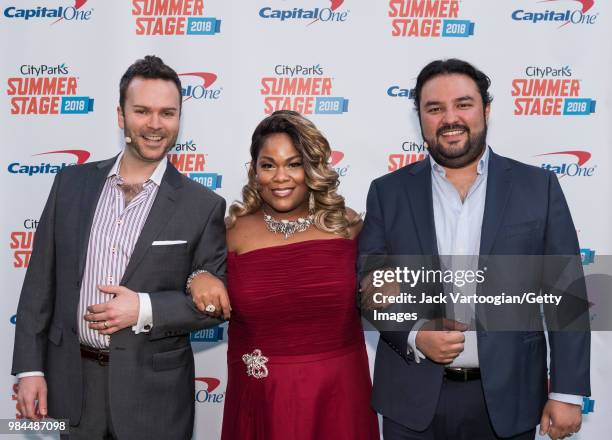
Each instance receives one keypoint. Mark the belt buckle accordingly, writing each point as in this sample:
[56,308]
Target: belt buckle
[465,374]
[100,359]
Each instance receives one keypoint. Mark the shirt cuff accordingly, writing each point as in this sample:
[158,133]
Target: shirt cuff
[30,374]
[145,314]
[418,355]
[567,398]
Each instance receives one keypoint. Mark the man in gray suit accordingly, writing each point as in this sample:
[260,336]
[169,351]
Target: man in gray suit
[115,244]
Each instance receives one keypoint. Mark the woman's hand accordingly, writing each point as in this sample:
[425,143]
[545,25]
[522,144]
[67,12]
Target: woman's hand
[208,291]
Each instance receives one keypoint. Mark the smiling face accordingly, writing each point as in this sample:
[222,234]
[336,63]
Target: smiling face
[453,121]
[151,118]
[281,177]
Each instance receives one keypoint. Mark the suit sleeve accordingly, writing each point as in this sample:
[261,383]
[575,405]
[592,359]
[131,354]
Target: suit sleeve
[373,253]
[570,350]
[37,299]
[174,312]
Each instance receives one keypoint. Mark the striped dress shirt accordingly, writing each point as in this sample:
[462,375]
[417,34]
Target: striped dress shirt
[114,232]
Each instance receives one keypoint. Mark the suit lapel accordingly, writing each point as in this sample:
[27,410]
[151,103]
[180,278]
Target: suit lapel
[421,204]
[90,194]
[161,211]
[499,184]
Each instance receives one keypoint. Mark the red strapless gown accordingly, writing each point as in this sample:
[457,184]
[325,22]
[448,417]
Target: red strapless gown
[296,303]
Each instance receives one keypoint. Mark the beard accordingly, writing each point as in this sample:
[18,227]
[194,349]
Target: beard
[139,150]
[458,157]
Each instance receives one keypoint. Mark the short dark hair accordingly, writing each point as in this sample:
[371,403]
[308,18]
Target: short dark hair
[150,67]
[450,66]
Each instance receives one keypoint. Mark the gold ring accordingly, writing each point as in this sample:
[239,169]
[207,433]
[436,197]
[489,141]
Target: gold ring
[105,324]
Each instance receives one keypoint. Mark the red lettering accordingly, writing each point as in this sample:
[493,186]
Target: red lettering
[405,27]
[538,106]
[167,7]
[21,259]
[399,160]
[301,104]
[32,105]
[545,87]
[424,8]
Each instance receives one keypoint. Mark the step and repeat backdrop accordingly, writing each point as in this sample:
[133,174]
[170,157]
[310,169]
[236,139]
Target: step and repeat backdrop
[349,65]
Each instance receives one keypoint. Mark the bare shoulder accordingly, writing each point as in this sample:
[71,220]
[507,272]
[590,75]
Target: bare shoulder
[241,232]
[355,221]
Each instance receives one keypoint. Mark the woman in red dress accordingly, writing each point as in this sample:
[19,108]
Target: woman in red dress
[297,363]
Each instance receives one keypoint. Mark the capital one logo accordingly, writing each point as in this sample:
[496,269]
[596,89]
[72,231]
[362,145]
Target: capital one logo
[562,17]
[568,163]
[316,14]
[335,159]
[205,387]
[198,86]
[68,13]
[54,167]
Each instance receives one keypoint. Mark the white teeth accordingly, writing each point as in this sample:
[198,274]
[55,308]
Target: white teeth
[453,133]
[281,192]
[153,138]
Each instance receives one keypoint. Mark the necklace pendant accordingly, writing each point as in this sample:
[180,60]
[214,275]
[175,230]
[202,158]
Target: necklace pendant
[287,227]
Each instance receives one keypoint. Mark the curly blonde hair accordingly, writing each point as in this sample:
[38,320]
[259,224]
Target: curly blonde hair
[330,214]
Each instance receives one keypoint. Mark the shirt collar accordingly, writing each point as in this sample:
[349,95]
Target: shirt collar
[156,177]
[481,168]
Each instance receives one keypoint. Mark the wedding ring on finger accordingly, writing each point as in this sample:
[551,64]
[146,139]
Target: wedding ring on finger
[105,324]
[210,308]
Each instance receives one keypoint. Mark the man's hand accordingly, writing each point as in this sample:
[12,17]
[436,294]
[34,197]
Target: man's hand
[32,397]
[441,340]
[560,420]
[368,291]
[118,313]
[207,289]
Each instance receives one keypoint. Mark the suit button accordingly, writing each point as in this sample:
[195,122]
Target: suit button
[147,327]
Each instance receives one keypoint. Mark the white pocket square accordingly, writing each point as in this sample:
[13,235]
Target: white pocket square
[167,242]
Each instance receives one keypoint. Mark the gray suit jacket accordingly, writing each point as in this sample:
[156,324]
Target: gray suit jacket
[151,375]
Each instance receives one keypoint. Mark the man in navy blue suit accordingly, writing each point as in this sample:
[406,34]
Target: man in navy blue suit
[466,200]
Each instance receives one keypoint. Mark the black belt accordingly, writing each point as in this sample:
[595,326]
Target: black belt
[96,354]
[461,374]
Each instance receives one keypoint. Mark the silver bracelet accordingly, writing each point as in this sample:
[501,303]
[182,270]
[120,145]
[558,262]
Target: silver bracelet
[191,277]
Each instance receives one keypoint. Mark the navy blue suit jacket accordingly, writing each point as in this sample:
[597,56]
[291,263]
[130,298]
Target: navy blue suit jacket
[525,214]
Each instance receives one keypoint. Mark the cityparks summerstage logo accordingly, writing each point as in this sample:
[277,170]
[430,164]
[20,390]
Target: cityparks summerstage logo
[557,13]
[428,18]
[304,89]
[46,89]
[200,86]
[21,241]
[189,161]
[68,12]
[309,12]
[410,152]
[173,17]
[550,91]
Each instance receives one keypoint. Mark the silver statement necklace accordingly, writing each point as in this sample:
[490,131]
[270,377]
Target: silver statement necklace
[287,227]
